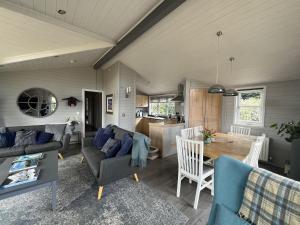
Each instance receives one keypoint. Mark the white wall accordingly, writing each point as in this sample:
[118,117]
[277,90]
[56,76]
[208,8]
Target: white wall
[282,105]
[62,83]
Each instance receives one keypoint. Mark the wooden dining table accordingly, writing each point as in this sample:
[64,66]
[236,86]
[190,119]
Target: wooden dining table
[235,146]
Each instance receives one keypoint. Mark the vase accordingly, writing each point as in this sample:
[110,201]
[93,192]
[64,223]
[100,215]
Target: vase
[295,160]
[207,141]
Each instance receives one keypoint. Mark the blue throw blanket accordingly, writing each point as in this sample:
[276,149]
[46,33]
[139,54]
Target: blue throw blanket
[140,150]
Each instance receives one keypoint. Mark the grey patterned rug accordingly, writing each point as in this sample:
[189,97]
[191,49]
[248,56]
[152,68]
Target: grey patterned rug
[123,202]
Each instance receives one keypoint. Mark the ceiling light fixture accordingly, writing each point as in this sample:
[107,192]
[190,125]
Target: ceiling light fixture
[61,12]
[217,88]
[230,92]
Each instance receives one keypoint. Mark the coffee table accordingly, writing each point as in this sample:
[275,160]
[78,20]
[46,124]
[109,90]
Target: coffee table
[47,177]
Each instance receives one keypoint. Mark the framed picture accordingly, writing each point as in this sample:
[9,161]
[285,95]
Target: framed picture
[109,104]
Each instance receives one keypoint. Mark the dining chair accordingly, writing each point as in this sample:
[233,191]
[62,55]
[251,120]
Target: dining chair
[188,133]
[253,156]
[198,130]
[240,130]
[190,165]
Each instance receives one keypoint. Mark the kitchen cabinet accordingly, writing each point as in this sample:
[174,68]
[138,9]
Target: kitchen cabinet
[142,101]
[205,109]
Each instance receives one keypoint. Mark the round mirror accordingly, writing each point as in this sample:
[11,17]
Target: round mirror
[37,102]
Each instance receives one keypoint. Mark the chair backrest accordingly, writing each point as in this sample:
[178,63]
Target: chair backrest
[253,156]
[240,130]
[198,131]
[190,156]
[188,133]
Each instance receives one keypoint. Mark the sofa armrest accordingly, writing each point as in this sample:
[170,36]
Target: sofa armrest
[65,143]
[116,168]
[87,141]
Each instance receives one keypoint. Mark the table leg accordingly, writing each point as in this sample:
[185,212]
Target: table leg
[53,190]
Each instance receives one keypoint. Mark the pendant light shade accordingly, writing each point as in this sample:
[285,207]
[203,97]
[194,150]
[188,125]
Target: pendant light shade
[217,88]
[230,92]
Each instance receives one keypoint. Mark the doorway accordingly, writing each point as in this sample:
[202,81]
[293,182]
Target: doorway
[92,111]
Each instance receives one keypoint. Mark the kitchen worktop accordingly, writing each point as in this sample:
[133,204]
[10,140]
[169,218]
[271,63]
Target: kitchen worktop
[153,117]
[162,124]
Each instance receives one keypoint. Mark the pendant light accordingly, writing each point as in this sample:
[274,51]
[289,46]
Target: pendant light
[231,92]
[217,88]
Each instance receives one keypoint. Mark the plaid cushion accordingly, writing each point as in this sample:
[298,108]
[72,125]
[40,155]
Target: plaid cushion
[271,199]
[24,137]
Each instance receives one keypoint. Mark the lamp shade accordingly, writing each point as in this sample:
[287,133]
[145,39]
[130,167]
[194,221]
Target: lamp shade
[216,89]
[230,92]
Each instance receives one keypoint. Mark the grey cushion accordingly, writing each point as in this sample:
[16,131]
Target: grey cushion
[26,137]
[30,149]
[2,130]
[93,157]
[12,151]
[57,129]
[110,142]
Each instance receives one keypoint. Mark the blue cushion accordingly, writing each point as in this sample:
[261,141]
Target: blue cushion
[102,136]
[126,145]
[113,150]
[3,142]
[43,137]
[230,179]
[226,217]
[9,138]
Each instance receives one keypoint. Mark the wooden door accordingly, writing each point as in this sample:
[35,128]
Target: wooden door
[197,107]
[213,112]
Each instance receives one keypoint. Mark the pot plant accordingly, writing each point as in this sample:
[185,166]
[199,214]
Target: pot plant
[208,135]
[291,133]
[72,123]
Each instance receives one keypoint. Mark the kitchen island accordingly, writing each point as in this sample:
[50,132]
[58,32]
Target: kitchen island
[163,136]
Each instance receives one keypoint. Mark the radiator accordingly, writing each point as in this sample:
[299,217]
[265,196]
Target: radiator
[264,154]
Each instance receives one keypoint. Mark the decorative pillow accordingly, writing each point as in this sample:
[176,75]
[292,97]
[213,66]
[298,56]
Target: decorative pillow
[25,137]
[43,137]
[9,138]
[57,129]
[224,216]
[2,130]
[3,142]
[101,137]
[111,147]
[126,145]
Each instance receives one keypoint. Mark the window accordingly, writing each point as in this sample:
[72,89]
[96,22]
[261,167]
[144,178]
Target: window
[250,107]
[161,106]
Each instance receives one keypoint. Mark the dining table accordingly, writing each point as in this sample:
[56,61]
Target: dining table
[235,146]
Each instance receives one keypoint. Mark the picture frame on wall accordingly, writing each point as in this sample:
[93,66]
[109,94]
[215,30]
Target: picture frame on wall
[109,104]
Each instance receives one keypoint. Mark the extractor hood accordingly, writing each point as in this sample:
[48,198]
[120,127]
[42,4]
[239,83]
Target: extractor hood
[179,97]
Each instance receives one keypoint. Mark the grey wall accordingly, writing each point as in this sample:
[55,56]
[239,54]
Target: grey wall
[62,83]
[282,105]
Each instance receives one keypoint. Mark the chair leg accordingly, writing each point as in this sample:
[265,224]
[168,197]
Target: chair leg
[197,195]
[212,190]
[60,156]
[190,181]
[100,191]
[136,177]
[82,159]
[178,185]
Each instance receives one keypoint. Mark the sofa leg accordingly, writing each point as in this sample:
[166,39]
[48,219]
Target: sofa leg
[60,156]
[100,190]
[136,177]
[82,159]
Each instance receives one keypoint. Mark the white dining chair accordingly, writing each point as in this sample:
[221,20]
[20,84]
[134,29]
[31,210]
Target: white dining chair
[190,165]
[256,147]
[198,131]
[240,130]
[188,133]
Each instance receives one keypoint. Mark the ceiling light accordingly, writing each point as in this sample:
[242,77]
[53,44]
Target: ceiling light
[230,92]
[61,12]
[217,88]
[72,61]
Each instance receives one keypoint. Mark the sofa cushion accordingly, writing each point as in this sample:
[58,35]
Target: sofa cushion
[53,145]
[119,132]
[25,137]
[225,216]
[2,130]
[9,138]
[93,158]
[57,129]
[126,145]
[12,151]
[3,142]
[43,137]
[102,136]
[109,147]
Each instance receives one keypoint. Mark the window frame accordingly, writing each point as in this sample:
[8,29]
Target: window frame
[259,124]
[161,97]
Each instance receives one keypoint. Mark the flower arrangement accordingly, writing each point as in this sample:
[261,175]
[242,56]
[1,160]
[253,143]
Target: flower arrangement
[73,121]
[208,135]
[290,130]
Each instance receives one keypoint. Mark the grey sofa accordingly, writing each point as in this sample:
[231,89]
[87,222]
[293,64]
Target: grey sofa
[61,146]
[110,169]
